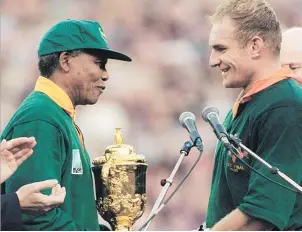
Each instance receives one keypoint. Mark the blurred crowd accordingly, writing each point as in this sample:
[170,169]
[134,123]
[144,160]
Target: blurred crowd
[169,74]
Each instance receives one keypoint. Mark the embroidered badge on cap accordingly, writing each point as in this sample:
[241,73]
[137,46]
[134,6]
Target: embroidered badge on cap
[77,167]
[102,34]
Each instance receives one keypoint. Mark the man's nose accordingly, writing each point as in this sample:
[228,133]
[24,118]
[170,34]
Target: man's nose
[214,59]
[105,76]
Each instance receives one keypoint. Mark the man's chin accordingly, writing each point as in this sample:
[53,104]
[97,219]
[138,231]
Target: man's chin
[228,84]
[233,85]
[91,101]
[298,78]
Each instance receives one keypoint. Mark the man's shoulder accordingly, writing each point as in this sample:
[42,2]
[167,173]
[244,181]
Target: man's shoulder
[37,107]
[284,93]
[278,99]
[37,102]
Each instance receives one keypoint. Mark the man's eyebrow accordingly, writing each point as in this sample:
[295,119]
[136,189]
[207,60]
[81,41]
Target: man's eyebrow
[101,60]
[292,63]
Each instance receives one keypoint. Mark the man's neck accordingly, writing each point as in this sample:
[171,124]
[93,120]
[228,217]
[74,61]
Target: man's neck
[263,72]
[59,80]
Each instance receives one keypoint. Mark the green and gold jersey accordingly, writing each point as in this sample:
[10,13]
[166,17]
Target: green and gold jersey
[47,114]
[270,124]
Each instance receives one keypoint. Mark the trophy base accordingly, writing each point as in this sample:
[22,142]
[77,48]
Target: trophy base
[123,224]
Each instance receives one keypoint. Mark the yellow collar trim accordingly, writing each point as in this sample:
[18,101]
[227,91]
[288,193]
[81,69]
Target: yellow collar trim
[56,94]
[259,85]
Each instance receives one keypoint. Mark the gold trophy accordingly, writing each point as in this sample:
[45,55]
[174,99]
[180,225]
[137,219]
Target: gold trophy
[120,184]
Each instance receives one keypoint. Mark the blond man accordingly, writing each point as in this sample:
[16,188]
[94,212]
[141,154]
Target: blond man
[245,45]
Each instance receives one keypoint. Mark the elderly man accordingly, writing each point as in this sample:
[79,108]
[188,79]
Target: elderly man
[72,63]
[291,51]
[245,40]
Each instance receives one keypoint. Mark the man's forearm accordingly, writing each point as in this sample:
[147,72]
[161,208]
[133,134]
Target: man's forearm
[238,220]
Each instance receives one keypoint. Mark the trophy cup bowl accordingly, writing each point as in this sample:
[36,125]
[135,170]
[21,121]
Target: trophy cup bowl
[120,184]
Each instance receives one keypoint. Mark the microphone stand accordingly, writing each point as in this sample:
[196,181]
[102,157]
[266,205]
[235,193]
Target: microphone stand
[236,143]
[166,183]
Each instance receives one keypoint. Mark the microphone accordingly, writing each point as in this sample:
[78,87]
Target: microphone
[187,121]
[210,115]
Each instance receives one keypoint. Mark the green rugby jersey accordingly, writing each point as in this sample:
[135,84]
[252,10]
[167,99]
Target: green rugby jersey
[59,154]
[270,124]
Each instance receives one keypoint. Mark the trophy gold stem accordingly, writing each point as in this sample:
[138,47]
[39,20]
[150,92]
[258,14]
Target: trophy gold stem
[123,224]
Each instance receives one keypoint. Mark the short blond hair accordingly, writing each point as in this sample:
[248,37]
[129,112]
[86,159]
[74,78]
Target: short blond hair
[251,18]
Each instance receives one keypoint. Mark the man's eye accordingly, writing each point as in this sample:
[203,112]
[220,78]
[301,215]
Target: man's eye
[101,64]
[220,49]
[294,67]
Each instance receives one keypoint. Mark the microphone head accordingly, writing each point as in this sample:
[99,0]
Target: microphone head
[207,110]
[184,116]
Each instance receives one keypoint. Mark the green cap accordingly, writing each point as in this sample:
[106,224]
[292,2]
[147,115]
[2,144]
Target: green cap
[77,34]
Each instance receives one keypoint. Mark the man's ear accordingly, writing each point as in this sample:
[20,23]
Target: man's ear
[255,47]
[64,61]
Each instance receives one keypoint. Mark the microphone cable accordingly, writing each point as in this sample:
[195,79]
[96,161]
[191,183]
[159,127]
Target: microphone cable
[173,193]
[220,129]
[273,171]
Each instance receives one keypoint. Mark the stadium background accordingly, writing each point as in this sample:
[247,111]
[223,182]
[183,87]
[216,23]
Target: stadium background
[168,41]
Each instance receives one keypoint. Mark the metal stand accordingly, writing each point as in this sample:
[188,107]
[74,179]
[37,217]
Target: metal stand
[236,142]
[166,183]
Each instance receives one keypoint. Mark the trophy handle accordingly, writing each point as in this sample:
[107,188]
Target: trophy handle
[105,173]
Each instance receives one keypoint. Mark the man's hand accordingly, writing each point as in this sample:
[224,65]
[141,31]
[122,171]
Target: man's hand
[33,202]
[240,221]
[13,153]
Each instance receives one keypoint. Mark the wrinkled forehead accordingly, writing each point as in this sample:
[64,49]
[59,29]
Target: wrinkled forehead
[291,53]
[291,46]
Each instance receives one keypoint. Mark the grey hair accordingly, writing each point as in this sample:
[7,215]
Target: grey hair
[48,64]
